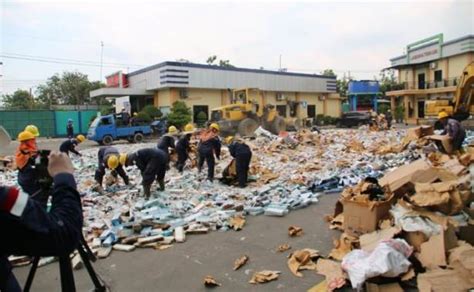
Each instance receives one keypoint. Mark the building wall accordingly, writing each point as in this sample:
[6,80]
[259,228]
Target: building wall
[209,97]
[333,107]
[457,64]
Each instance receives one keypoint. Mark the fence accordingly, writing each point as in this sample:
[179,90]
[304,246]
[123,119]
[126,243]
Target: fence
[50,123]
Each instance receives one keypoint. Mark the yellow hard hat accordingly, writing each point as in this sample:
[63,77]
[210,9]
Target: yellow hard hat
[189,128]
[135,114]
[214,126]
[229,139]
[172,130]
[80,138]
[25,136]
[123,158]
[113,161]
[33,130]
[442,115]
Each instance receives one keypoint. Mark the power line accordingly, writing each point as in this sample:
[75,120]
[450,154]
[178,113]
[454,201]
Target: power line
[72,60]
[59,62]
[50,39]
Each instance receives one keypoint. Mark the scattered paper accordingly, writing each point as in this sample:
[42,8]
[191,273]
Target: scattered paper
[237,222]
[302,260]
[264,276]
[210,282]
[240,262]
[283,247]
[294,231]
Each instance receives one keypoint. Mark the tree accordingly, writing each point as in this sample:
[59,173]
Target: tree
[222,63]
[329,72]
[152,111]
[70,88]
[201,118]
[20,99]
[179,115]
[387,81]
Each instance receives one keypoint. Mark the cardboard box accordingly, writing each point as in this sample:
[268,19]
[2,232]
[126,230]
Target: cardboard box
[361,218]
[398,178]
[443,140]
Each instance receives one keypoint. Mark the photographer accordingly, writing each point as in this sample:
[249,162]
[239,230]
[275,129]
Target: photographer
[28,229]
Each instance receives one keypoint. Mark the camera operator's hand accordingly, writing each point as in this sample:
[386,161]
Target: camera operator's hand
[59,163]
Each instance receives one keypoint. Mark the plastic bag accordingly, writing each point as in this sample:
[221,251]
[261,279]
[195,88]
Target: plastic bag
[388,259]
[412,223]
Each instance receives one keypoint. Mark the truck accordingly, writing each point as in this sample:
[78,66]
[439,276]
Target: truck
[107,129]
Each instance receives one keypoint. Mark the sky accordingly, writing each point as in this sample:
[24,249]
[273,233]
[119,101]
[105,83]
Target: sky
[41,38]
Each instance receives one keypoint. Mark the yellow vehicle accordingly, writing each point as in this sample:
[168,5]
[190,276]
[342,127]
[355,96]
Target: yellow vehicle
[462,104]
[246,113]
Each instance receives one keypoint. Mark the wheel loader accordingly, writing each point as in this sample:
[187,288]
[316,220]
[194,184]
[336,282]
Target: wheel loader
[246,113]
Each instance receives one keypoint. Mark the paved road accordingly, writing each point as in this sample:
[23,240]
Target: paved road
[183,266]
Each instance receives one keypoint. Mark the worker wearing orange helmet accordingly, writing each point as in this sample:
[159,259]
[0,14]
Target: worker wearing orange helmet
[453,129]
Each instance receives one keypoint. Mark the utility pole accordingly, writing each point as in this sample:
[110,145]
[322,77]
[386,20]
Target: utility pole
[31,102]
[280,64]
[101,58]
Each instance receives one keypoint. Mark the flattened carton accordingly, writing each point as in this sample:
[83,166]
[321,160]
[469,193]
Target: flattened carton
[444,140]
[361,217]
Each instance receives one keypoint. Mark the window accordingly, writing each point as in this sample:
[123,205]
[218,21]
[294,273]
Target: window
[281,110]
[438,75]
[311,111]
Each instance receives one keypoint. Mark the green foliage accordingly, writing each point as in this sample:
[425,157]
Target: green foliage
[322,120]
[71,88]
[222,63]
[180,114]
[383,108]
[387,81]
[329,72]
[145,117]
[20,99]
[106,109]
[399,113]
[201,118]
[152,111]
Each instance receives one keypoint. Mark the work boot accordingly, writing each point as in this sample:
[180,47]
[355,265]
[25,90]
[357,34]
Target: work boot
[162,185]
[99,189]
[146,191]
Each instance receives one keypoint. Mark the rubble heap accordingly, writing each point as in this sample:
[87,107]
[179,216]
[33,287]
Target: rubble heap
[412,228]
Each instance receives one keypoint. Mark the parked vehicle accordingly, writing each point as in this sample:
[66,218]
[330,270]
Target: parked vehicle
[106,129]
[354,119]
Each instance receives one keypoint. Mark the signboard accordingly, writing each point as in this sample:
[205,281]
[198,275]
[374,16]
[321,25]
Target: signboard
[424,55]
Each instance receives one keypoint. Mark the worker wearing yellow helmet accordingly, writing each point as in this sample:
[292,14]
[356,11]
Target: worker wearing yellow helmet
[209,146]
[25,156]
[167,141]
[152,163]
[33,130]
[183,146]
[109,159]
[453,128]
[70,145]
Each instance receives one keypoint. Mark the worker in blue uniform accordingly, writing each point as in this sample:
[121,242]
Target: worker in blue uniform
[109,159]
[70,145]
[209,145]
[152,163]
[242,154]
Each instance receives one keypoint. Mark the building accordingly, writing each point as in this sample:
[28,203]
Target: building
[429,71]
[362,95]
[204,87]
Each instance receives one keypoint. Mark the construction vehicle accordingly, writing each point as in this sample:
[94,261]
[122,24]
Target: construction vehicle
[246,113]
[461,107]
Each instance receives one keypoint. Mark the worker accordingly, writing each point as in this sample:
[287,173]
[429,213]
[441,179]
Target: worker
[152,163]
[70,145]
[167,141]
[389,118]
[25,156]
[242,154]
[109,158]
[125,117]
[70,129]
[134,120]
[209,145]
[28,229]
[183,146]
[453,129]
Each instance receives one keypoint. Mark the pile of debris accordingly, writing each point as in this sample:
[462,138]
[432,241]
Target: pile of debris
[412,228]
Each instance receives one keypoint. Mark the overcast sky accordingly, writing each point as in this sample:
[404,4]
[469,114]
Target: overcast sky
[359,37]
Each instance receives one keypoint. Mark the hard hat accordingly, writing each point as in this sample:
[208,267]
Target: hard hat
[69,120]
[172,130]
[80,138]
[123,158]
[135,114]
[214,126]
[189,128]
[33,130]
[25,136]
[442,115]
[229,139]
[113,161]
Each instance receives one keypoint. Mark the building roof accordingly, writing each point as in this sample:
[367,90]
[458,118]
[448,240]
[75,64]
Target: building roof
[434,50]
[215,67]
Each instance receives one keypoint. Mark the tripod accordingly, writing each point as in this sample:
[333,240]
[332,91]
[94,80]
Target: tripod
[65,269]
